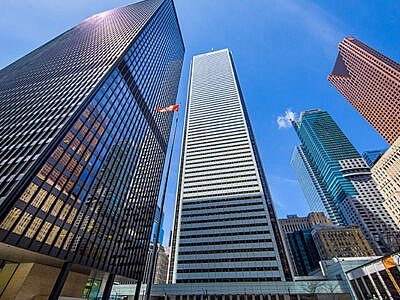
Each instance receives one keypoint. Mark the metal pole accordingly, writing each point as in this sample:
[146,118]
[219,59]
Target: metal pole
[155,246]
[60,281]
[108,288]
[137,290]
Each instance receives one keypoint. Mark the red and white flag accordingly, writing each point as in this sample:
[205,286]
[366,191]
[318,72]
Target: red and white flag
[174,107]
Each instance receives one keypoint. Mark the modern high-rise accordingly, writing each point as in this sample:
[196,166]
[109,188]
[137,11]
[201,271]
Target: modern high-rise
[371,157]
[313,189]
[297,244]
[346,177]
[225,227]
[303,251]
[386,173]
[371,83]
[81,147]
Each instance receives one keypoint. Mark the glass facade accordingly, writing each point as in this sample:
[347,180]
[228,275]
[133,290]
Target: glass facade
[371,157]
[346,177]
[314,190]
[305,254]
[90,194]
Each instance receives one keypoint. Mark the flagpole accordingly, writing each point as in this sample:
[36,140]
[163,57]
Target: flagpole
[155,244]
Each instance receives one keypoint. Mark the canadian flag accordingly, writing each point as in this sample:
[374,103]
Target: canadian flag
[174,107]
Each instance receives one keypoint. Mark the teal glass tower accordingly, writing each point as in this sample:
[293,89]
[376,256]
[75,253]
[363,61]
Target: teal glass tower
[346,177]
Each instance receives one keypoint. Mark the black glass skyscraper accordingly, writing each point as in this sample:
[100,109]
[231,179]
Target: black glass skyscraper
[81,148]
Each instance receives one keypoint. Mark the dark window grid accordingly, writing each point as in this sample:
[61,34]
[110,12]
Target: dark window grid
[189,180]
[60,159]
[40,115]
[116,187]
[81,142]
[103,188]
[37,97]
[139,209]
[12,167]
[45,135]
[219,187]
[104,143]
[141,243]
[161,166]
[226,259]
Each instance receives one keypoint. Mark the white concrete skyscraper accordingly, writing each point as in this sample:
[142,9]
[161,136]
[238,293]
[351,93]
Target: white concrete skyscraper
[225,227]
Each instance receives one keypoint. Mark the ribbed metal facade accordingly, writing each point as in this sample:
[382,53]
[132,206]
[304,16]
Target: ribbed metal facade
[225,226]
[346,177]
[82,149]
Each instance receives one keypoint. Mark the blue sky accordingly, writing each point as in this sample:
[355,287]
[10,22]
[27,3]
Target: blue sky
[283,51]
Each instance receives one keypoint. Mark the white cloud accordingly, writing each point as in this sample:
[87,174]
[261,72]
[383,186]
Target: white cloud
[286,120]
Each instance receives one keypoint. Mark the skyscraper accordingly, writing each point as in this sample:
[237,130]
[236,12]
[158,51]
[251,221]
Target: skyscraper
[372,157]
[225,226]
[371,83]
[314,190]
[386,173]
[346,177]
[82,149]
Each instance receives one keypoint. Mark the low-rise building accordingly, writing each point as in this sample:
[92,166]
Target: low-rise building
[378,279]
[341,241]
[293,223]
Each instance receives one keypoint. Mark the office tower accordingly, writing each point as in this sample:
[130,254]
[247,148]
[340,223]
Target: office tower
[340,241]
[372,157]
[292,224]
[346,177]
[371,83]
[386,174]
[82,148]
[305,254]
[225,227]
[313,189]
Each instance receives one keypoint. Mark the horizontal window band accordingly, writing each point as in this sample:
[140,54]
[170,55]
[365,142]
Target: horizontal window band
[238,269]
[224,226]
[228,260]
[248,279]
